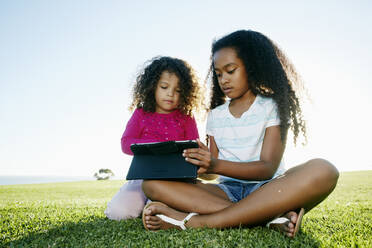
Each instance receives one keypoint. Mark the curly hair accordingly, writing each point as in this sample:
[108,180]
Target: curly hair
[270,74]
[191,98]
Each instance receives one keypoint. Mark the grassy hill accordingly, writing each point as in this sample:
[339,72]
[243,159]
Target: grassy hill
[71,215]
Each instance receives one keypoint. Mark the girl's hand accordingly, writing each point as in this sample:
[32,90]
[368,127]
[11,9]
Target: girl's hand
[201,157]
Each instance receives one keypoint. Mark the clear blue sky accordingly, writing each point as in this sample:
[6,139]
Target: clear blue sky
[67,67]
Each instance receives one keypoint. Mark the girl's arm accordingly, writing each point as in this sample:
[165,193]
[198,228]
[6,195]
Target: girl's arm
[132,133]
[265,168]
[214,154]
[191,133]
[213,147]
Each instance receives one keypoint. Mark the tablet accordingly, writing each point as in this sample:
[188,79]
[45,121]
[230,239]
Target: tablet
[161,160]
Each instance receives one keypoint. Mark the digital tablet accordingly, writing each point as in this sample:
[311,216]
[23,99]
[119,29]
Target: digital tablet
[162,160]
[165,147]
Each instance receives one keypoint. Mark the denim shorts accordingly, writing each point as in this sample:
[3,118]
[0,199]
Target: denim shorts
[236,191]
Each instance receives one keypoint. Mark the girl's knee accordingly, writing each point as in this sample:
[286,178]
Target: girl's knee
[325,168]
[127,203]
[150,188]
[129,209]
[325,173]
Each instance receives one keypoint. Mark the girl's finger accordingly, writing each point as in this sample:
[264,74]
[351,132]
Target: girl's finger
[201,145]
[188,152]
[198,156]
[191,150]
[192,154]
[196,162]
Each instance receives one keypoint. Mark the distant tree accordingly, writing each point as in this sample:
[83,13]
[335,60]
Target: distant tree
[104,174]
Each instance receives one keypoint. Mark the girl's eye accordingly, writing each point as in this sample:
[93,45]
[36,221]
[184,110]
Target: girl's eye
[164,87]
[231,71]
[178,90]
[218,75]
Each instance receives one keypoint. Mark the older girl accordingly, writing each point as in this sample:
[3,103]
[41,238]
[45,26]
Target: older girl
[247,133]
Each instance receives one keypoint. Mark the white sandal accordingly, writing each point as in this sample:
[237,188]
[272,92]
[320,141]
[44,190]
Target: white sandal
[282,220]
[179,223]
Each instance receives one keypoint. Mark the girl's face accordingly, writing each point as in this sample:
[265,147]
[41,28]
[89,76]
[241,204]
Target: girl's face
[231,74]
[167,93]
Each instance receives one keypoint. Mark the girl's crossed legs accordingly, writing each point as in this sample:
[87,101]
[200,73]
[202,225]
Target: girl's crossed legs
[187,197]
[303,186]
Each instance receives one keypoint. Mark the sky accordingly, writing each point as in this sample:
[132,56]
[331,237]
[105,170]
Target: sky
[67,69]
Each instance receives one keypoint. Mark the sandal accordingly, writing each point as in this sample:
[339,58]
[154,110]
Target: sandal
[179,223]
[282,220]
[299,219]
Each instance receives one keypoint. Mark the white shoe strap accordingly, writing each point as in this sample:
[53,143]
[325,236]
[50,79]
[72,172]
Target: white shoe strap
[279,220]
[180,223]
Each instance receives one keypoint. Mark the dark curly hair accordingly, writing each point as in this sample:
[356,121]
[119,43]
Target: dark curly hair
[269,73]
[191,97]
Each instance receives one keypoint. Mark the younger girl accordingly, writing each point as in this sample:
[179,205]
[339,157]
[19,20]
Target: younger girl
[247,134]
[165,94]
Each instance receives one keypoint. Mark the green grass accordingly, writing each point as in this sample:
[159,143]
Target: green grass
[71,215]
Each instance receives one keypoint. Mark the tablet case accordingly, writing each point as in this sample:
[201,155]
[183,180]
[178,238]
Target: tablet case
[161,160]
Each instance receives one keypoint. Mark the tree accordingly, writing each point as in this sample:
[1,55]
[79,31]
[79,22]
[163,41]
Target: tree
[103,174]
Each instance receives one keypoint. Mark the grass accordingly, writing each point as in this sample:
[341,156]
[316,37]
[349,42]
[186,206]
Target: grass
[71,215]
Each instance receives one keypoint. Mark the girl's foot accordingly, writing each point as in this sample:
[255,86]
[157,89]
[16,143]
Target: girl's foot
[152,222]
[291,227]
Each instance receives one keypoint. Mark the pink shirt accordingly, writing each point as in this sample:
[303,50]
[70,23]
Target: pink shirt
[145,127]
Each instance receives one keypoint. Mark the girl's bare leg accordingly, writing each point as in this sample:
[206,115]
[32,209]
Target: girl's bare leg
[187,197]
[302,186]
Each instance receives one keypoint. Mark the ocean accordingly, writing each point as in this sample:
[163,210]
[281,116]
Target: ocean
[11,180]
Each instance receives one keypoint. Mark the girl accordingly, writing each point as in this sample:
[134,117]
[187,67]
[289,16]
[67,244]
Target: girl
[165,94]
[247,136]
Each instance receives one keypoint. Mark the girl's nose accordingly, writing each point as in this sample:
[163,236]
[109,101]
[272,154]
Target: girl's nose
[224,78]
[170,93]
